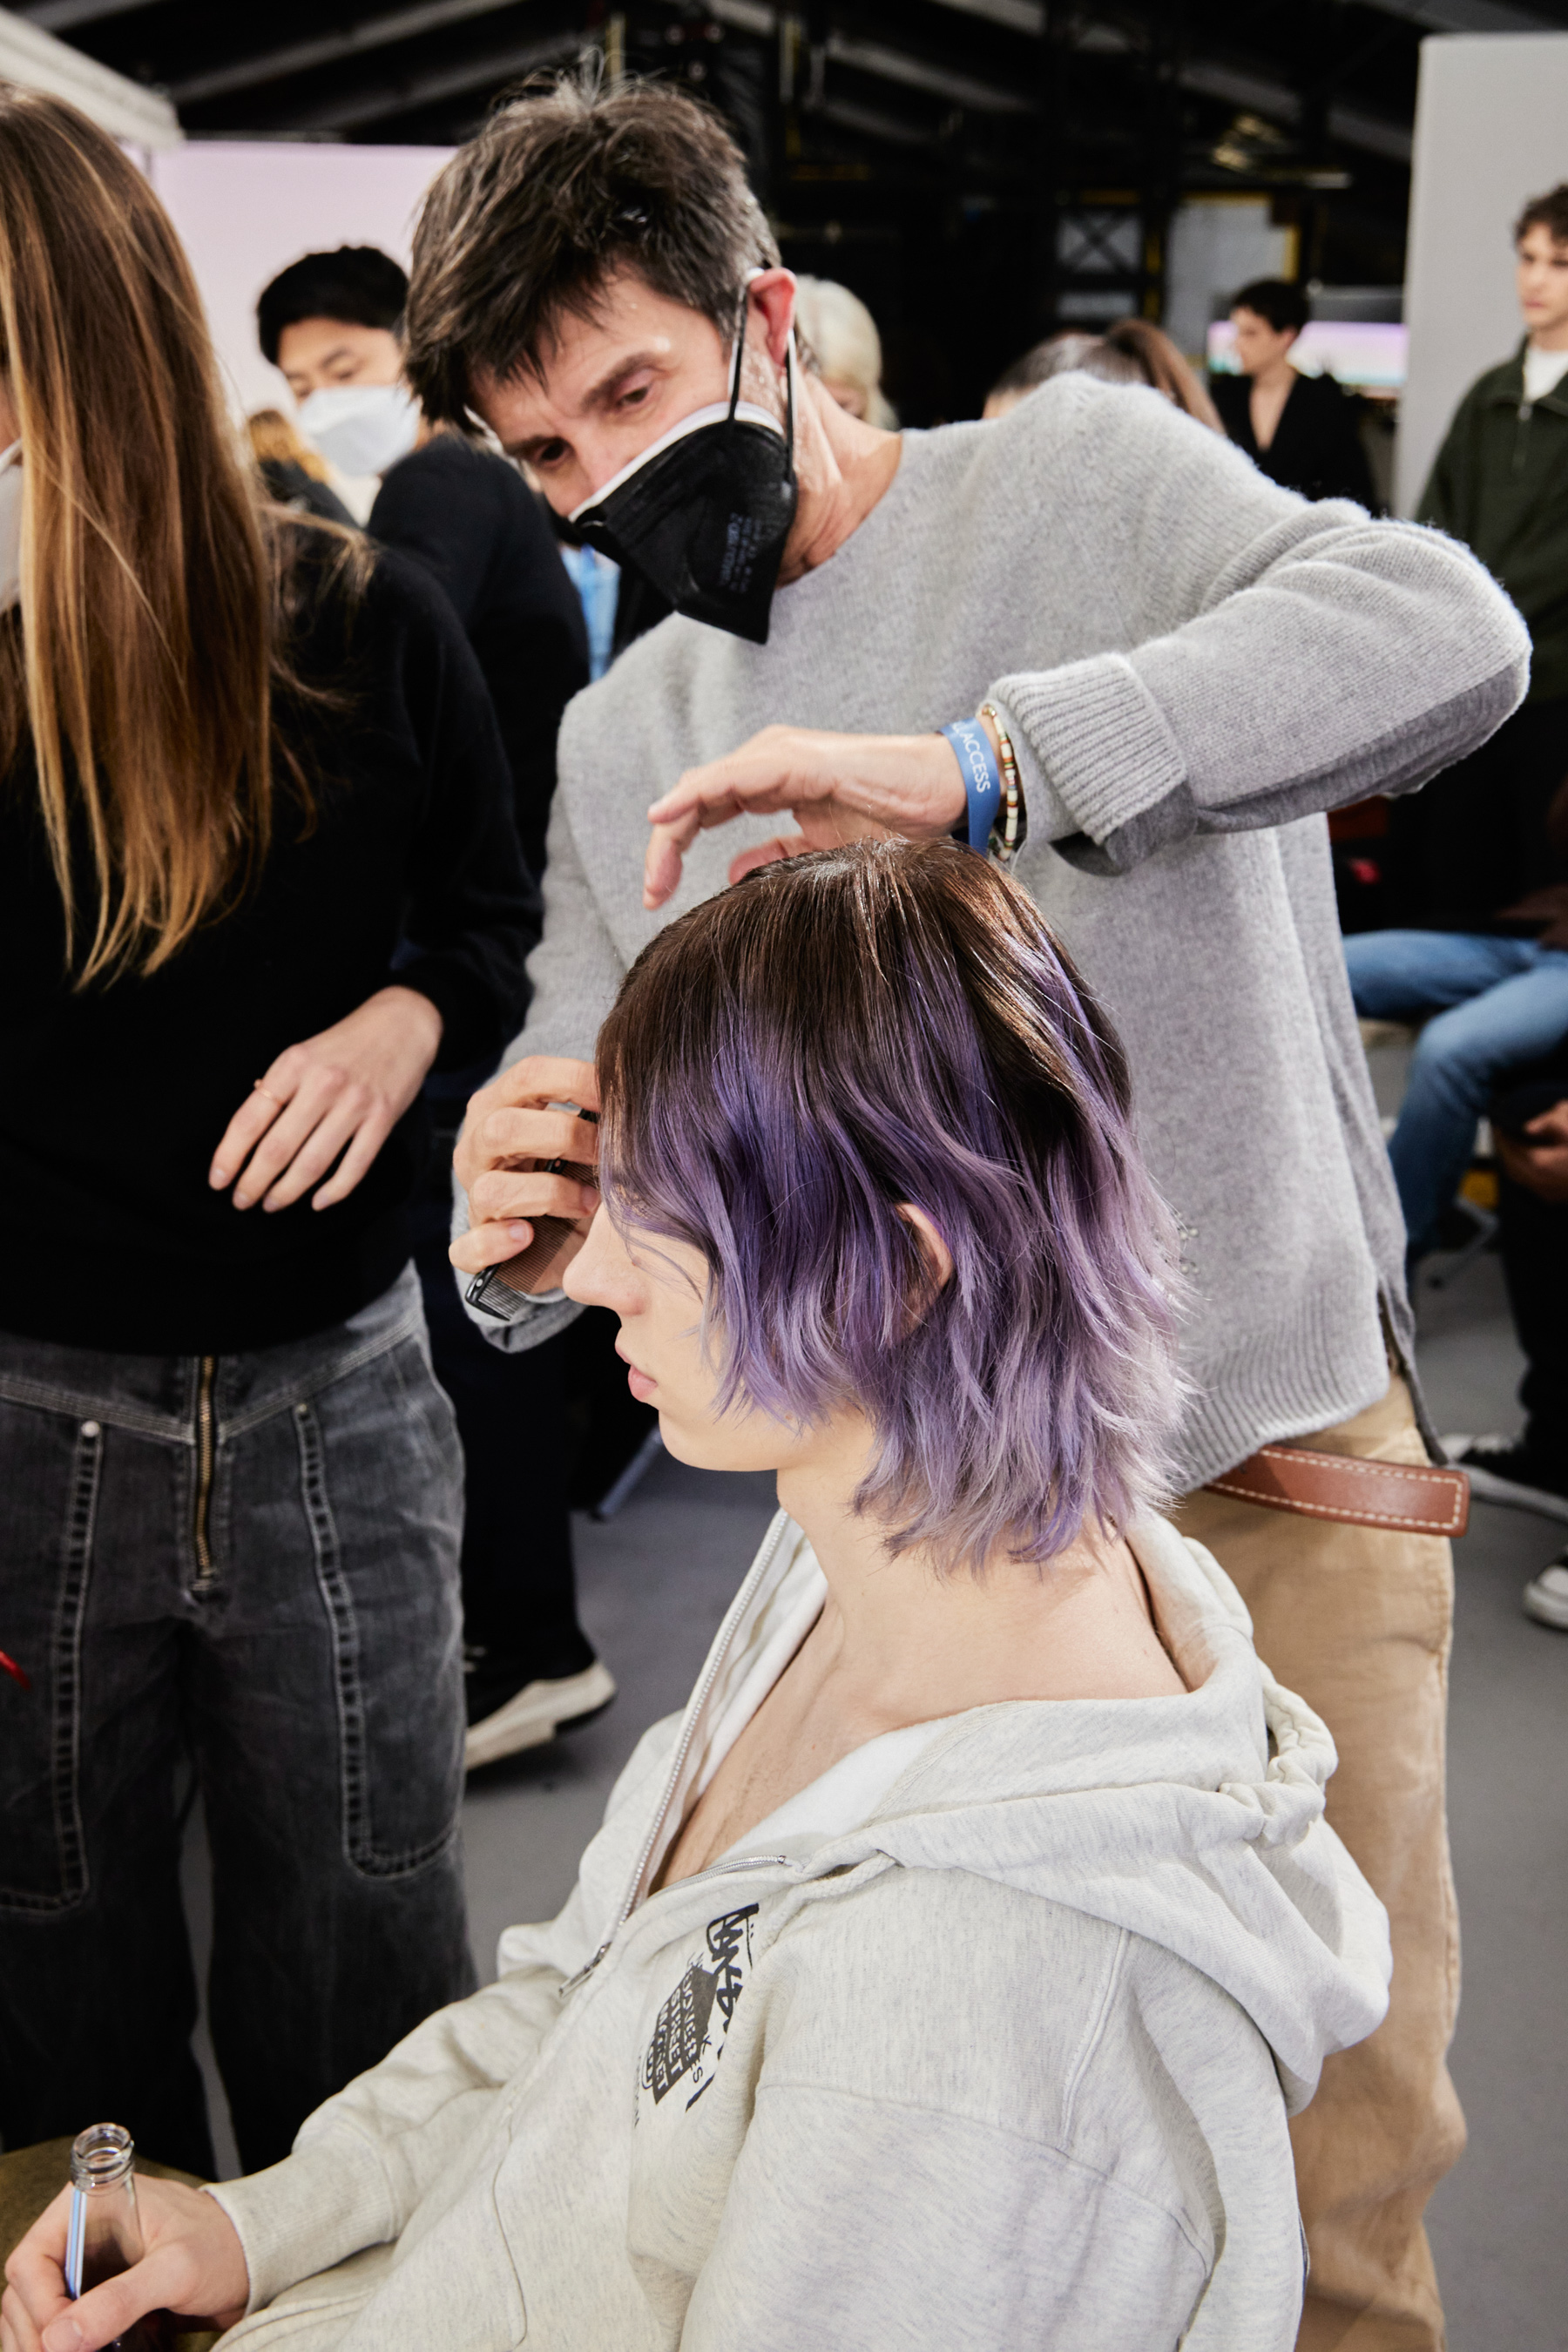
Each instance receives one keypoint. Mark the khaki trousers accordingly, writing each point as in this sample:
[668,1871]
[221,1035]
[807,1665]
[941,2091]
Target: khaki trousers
[1358,1622]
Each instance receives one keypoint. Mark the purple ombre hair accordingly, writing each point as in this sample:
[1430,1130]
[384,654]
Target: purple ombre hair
[889,1023]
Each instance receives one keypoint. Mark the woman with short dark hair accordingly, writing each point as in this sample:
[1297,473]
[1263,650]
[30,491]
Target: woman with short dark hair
[1300,430]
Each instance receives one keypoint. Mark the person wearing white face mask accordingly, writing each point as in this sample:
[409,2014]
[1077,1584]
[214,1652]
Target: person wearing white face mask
[329,323]
[333,323]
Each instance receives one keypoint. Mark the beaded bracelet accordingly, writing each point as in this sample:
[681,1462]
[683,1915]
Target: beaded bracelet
[1011,831]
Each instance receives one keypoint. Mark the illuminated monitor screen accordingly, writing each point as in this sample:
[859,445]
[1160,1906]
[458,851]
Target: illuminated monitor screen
[1365,354]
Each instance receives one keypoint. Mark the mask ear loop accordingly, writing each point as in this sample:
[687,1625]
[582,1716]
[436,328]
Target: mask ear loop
[739,356]
[735,371]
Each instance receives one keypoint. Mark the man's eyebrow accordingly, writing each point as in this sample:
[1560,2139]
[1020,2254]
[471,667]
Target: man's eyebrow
[597,396]
[611,381]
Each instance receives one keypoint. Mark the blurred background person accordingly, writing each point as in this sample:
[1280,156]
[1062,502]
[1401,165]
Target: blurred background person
[840,335]
[1478,866]
[1131,352]
[1302,431]
[1479,839]
[259,875]
[333,323]
[294,474]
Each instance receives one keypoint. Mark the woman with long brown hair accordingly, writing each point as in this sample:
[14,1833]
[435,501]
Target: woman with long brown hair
[257,875]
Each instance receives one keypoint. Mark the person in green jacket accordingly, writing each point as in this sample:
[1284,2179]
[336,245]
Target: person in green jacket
[1485,946]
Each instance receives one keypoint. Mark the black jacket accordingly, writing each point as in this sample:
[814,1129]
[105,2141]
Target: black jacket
[1500,484]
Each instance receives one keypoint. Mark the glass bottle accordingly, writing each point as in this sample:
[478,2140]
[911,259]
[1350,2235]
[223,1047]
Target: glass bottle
[104,2233]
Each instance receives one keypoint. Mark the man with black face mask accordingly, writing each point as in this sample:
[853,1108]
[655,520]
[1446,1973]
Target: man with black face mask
[1169,667]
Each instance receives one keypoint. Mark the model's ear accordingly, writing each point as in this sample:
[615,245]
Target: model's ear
[936,1258]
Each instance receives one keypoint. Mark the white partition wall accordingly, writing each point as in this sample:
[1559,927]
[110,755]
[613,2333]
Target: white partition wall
[1492,131]
[247,208]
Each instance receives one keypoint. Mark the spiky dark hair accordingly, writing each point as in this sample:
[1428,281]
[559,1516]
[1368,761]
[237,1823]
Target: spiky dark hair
[568,184]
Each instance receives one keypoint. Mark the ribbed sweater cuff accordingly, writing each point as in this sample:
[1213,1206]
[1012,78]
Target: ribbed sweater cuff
[1101,738]
[308,2213]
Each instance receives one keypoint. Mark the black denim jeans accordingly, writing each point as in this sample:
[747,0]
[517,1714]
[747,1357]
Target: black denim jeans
[250,1560]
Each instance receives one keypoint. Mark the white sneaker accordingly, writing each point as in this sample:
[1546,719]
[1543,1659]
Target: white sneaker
[536,1712]
[1546,1596]
[1501,1471]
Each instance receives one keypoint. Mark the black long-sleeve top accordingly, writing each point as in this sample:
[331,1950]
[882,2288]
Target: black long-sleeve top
[473,523]
[1316,448]
[113,1097]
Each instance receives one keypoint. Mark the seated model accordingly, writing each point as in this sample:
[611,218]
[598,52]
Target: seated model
[945,1975]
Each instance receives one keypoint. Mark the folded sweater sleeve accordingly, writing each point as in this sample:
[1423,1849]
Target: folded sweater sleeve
[1282,657]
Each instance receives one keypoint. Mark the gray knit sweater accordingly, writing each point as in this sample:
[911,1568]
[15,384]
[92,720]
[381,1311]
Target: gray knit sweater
[1196,663]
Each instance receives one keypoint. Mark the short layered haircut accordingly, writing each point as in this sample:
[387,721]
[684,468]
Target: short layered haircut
[1277,301]
[1548,212]
[561,189]
[1283,305]
[886,1023]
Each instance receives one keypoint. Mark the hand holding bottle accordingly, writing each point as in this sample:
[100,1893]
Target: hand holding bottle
[194,2263]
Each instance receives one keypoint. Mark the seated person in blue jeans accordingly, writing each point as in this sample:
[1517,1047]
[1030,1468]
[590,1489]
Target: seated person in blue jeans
[1498,1002]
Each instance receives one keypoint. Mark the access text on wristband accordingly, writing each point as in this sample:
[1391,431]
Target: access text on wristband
[982,778]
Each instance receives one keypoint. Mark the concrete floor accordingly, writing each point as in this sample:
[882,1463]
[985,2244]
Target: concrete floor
[656,1579]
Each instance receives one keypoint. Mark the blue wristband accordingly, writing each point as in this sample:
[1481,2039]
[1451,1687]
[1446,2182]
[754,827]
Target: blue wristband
[982,778]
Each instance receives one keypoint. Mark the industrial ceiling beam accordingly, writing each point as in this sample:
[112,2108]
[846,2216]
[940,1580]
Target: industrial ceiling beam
[886,63]
[1468,16]
[65,15]
[32,55]
[355,108]
[914,73]
[329,48]
[1353,126]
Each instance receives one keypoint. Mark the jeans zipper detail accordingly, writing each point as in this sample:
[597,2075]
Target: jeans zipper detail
[201,1530]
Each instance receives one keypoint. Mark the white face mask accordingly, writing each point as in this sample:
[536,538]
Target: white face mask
[10,526]
[360,428]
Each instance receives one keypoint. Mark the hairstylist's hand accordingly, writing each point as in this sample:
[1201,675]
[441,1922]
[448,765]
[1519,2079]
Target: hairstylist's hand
[1541,1164]
[194,2264]
[340,1093]
[837,788]
[509,1130]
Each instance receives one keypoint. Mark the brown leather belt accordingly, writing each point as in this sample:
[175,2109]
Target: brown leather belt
[1414,1499]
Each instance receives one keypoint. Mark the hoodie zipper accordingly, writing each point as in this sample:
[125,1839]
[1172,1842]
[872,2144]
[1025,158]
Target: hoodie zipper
[699,1700]
[201,1525]
[714,1870]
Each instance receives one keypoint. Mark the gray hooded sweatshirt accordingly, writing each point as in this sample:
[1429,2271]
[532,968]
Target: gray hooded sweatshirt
[986,2039]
